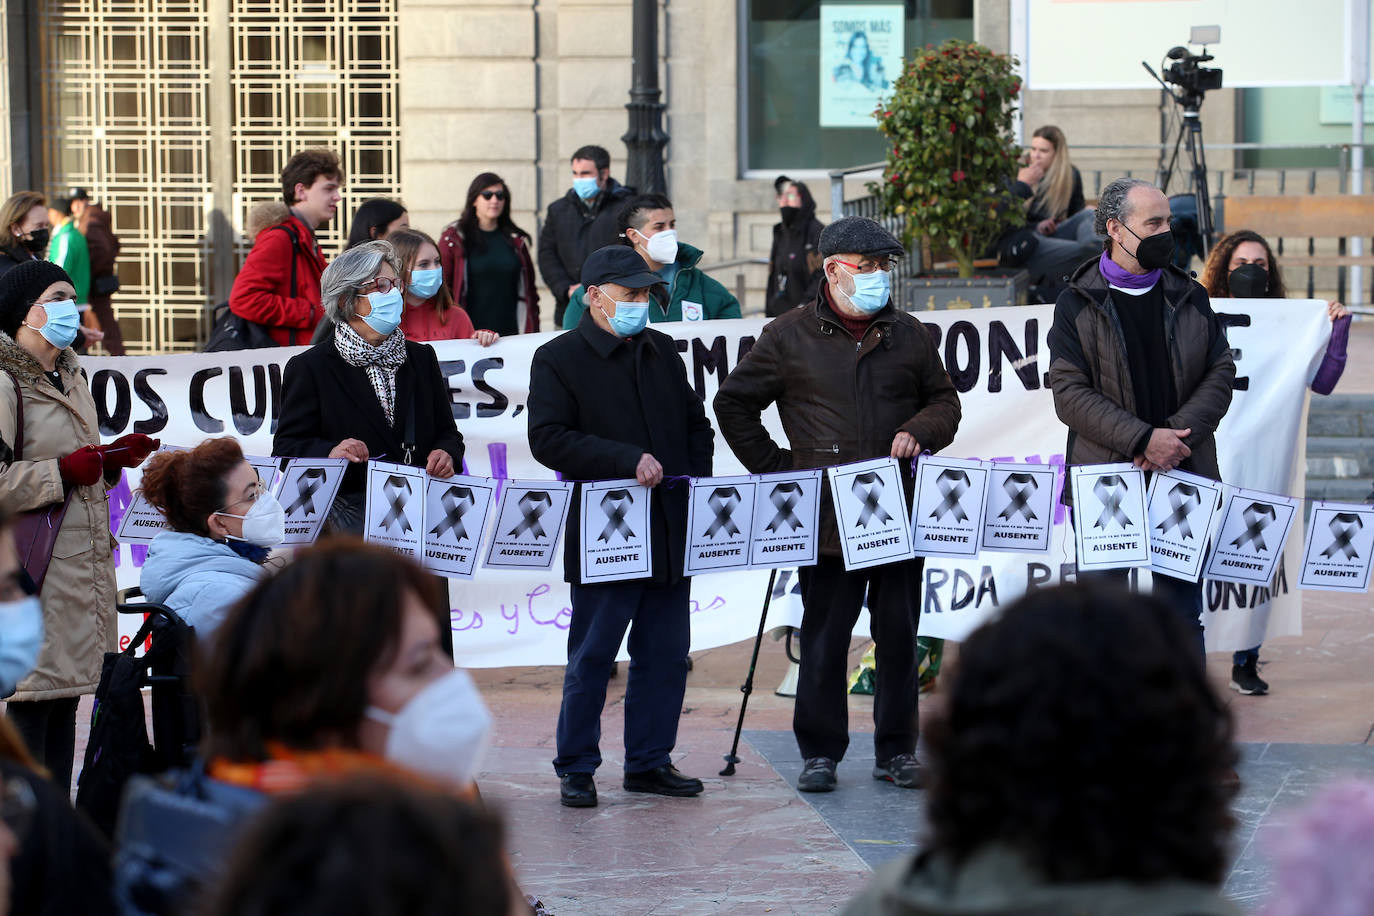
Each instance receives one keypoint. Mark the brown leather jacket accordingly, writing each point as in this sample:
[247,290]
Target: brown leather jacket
[840,400]
[1091,376]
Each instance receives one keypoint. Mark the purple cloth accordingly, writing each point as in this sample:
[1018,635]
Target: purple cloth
[1117,275]
[1333,363]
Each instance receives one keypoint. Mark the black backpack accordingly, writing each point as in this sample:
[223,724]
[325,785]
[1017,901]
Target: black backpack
[234,332]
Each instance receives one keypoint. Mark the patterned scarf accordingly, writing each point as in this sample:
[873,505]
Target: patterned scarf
[380,363]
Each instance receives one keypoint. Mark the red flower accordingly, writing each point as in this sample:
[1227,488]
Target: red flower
[958,175]
[953,128]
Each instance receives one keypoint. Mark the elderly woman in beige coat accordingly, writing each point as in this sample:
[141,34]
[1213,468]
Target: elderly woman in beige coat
[55,456]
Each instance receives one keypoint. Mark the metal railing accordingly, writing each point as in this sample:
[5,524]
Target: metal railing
[740,285]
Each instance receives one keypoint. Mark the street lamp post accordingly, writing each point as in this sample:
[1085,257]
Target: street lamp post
[646,138]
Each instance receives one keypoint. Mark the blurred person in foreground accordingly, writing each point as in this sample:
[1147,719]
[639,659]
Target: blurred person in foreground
[1322,856]
[1058,784]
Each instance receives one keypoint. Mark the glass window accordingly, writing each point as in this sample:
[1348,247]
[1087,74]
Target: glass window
[783,96]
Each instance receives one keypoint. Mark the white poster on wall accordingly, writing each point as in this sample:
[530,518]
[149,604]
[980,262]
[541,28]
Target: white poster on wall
[861,54]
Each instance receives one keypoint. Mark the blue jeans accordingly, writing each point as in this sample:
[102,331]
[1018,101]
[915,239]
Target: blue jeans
[660,637]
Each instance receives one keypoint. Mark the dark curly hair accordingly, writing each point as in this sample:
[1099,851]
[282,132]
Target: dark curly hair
[1081,732]
[1216,274]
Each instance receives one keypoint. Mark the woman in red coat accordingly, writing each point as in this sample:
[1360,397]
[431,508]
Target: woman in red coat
[430,312]
[486,261]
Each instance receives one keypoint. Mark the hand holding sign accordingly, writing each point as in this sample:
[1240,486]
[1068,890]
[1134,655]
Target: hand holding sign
[351,450]
[1165,450]
[649,472]
[440,464]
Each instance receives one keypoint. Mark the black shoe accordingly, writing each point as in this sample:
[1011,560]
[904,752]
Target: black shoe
[817,775]
[1245,680]
[900,770]
[576,790]
[664,780]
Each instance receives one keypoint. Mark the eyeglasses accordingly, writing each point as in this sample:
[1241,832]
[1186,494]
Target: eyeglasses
[253,496]
[488,195]
[872,265]
[381,285]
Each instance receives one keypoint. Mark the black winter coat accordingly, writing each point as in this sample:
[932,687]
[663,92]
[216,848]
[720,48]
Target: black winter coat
[794,263]
[572,230]
[597,403]
[324,400]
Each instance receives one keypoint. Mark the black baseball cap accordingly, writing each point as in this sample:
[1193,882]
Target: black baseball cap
[619,264]
[78,194]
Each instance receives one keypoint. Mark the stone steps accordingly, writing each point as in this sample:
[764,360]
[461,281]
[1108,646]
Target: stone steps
[1340,447]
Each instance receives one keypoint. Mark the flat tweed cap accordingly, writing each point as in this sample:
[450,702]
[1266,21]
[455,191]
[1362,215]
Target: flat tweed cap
[858,235]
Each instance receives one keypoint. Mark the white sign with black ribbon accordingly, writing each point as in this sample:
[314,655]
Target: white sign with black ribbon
[456,511]
[615,531]
[395,507]
[947,516]
[1340,547]
[1109,516]
[307,491]
[871,512]
[720,515]
[529,524]
[141,522]
[1181,509]
[1249,544]
[787,508]
[1018,514]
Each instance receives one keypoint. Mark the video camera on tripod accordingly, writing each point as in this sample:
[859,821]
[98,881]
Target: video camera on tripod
[1188,75]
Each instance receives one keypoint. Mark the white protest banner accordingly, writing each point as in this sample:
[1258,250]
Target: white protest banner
[1181,509]
[1249,543]
[615,531]
[870,512]
[720,519]
[456,511]
[529,525]
[1340,547]
[787,509]
[997,358]
[1109,516]
[948,511]
[307,491]
[1018,513]
[395,507]
[141,522]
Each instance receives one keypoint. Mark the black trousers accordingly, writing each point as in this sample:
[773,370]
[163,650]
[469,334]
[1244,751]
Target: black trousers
[48,728]
[831,600]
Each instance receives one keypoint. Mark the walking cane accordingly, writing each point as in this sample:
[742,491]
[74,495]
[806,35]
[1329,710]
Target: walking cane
[747,687]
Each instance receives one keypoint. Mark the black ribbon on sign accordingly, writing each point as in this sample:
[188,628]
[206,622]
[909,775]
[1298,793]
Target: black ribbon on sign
[784,498]
[723,501]
[532,505]
[1343,525]
[1020,487]
[1111,490]
[397,491]
[1258,516]
[868,486]
[952,484]
[1184,498]
[615,504]
[457,502]
[307,485]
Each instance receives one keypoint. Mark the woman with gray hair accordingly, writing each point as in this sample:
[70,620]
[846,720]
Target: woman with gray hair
[365,392]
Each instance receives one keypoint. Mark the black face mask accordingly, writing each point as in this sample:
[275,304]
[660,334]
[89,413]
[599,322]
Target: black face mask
[1248,281]
[1154,251]
[37,242]
[789,214]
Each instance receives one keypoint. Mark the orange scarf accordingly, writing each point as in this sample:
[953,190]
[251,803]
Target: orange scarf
[289,770]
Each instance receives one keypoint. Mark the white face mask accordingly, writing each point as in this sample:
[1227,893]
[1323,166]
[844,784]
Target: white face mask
[265,523]
[443,731]
[662,246]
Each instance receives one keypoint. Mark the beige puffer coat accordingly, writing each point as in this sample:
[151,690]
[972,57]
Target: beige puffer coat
[79,593]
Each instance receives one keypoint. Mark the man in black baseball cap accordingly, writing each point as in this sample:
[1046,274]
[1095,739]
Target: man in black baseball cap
[609,399]
[853,379]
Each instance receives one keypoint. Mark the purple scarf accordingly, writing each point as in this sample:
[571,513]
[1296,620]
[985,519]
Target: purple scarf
[1117,275]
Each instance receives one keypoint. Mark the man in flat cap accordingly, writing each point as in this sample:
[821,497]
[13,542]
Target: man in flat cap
[854,379]
[609,399]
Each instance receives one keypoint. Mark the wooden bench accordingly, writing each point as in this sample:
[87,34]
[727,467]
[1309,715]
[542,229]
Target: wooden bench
[1314,216]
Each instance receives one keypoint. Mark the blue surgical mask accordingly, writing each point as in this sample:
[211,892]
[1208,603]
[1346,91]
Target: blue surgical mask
[871,291]
[385,316]
[629,319]
[425,283]
[21,637]
[64,320]
[586,188]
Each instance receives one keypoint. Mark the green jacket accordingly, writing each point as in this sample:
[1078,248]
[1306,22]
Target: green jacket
[689,285]
[996,882]
[67,249]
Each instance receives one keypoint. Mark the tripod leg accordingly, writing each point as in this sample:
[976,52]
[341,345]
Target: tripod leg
[747,687]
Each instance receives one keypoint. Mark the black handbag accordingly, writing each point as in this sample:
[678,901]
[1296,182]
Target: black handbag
[234,332]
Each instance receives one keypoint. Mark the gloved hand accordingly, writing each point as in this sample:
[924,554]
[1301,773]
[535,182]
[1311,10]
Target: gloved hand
[128,451]
[82,467]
